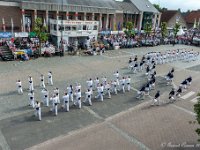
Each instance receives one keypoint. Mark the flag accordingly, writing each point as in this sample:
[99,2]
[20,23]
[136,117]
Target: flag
[4,26]
[12,25]
[22,28]
[119,26]
[44,24]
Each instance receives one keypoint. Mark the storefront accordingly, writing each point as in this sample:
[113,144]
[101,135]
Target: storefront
[73,32]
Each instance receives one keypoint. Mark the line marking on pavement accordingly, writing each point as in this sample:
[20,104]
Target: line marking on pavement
[93,113]
[188,95]
[183,109]
[129,138]
[127,52]
[195,100]
[3,142]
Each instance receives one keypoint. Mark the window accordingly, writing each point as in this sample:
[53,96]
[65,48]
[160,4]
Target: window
[79,17]
[55,27]
[67,28]
[95,18]
[95,27]
[89,27]
[70,17]
[79,27]
[73,28]
[84,27]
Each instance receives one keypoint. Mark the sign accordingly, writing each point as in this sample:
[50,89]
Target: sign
[21,34]
[66,22]
[5,34]
[105,32]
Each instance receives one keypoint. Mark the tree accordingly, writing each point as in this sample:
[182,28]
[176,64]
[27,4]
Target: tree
[129,29]
[157,6]
[176,29]
[197,111]
[147,28]
[41,32]
[163,29]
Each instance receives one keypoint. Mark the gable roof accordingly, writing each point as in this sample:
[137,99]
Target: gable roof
[167,15]
[190,17]
[127,6]
[145,6]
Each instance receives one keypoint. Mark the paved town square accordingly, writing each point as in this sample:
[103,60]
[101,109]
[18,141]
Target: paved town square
[120,123]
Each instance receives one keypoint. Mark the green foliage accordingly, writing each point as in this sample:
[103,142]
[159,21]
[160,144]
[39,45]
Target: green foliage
[157,6]
[176,29]
[41,31]
[164,29]
[129,25]
[197,111]
[147,28]
[129,29]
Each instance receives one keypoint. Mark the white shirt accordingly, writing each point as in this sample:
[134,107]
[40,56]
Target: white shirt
[66,98]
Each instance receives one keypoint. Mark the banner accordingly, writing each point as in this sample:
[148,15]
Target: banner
[21,34]
[5,34]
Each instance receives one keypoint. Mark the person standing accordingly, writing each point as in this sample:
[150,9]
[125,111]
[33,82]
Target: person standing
[100,89]
[42,84]
[70,92]
[66,102]
[88,96]
[128,83]
[50,78]
[38,110]
[19,87]
[107,88]
[45,97]
[31,87]
[31,99]
[78,98]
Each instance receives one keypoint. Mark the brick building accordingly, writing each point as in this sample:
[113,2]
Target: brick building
[111,14]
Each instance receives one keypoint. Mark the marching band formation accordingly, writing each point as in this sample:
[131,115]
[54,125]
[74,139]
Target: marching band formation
[105,88]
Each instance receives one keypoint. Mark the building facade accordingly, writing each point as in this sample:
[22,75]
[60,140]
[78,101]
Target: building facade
[171,17]
[111,14]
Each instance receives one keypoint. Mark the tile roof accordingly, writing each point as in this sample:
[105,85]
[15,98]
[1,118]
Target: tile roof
[190,17]
[127,6]
[167,15]
[145,6]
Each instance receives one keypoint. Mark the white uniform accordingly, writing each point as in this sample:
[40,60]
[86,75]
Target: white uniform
[55,105]
[30,80]
[90,85]
[88,96]
[96,82]
[56,92]
[19,87]
[108,88]
[78,99]
[66,102]
[38,111]
[70,93]
[116,75]
[122,84]
[31,99]
[114,87]
[42,85]
[128,83]
[45,97]
[100,92]
[50,78]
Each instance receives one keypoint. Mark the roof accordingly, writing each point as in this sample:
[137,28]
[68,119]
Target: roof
[190,17]
[144,6]
[127,6]
[94,3]
[167,15]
